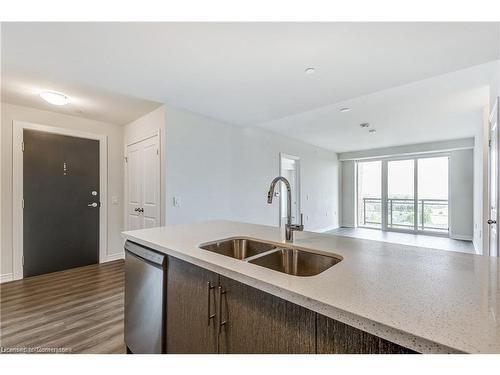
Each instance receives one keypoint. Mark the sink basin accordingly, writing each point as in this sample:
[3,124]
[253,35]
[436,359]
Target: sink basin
[295,262]
[238,248]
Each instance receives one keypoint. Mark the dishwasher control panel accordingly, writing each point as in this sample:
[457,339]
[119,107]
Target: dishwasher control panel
[145,253]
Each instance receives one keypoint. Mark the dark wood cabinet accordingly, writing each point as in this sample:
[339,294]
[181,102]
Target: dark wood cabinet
[334,337]
[210,313]
[190,304]
[258,322]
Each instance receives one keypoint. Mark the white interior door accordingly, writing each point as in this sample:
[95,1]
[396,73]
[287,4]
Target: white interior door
[143,174]
[493,182]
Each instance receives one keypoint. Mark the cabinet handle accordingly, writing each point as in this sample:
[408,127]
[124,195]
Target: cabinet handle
[221,322]
[210,287]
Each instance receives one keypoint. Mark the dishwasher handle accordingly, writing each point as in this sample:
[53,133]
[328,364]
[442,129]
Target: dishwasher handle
[145,253]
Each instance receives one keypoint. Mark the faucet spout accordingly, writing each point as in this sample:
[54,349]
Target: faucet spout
[289,228]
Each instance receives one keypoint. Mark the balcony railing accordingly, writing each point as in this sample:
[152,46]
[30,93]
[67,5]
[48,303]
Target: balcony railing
[432,213]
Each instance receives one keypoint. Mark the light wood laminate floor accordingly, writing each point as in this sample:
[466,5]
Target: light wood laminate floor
[422,240]
[74,311]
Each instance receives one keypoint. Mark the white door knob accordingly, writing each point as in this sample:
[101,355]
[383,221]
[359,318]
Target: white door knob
[92,205]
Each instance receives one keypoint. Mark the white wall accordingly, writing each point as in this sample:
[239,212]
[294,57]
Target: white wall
[146,126]
[222,171]
[461,194]
[408,150]
[198,152]
[348,193]
[114,135]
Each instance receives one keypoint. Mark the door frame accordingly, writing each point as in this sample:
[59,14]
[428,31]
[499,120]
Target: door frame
[299,196]
[17,187]
[156,133]
[486,215]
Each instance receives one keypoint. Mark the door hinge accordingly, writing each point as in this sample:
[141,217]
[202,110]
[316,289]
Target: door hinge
[126,159]
[489,143]
[22,203]
[22,261]
[22,146]
[157,152]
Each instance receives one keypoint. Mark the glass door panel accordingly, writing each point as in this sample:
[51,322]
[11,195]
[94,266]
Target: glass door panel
[401,194]
[433,194]
[369,197]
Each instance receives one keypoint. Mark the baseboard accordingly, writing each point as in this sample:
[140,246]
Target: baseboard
[112,257]
[6,277]
[476,248]
[323,230]
[460,237]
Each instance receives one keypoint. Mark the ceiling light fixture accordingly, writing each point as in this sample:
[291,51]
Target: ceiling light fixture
[310,71]
[344,109]
[55,98]
[364,125]
[372,131]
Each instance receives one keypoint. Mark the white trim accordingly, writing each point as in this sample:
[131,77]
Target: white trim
[113,257]
[326,229]
[156,133]
[17,187]
[461,237]
[6,277]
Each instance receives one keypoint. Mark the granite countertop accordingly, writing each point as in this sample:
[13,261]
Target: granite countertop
[431,301]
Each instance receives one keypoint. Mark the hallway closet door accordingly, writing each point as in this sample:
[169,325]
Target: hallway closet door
[143,184]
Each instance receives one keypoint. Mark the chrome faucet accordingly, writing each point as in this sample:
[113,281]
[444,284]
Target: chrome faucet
[289,227]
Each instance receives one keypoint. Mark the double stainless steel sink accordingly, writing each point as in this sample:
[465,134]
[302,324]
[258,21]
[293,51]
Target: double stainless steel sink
[278,257]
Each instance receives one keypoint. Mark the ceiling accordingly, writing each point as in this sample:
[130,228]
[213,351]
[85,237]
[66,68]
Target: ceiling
[243,73]
[86,101]
[449,106]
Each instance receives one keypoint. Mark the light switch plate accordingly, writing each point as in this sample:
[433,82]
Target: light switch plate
[114,199]
[176,201]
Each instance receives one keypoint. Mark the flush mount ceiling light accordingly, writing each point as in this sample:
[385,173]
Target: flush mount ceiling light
[310,71]
[344,109]
[364,125]
[372,131]
[55,98]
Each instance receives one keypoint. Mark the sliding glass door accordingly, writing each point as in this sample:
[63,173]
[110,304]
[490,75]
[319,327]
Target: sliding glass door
[432,181]
[401,194]
[369,202]
[404,195]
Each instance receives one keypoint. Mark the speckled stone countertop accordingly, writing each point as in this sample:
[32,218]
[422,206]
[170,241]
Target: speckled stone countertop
[431,301]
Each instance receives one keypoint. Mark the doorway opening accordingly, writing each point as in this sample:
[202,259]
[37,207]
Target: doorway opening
[290,169]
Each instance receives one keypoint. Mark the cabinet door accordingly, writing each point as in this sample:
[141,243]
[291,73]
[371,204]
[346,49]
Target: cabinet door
[258,322]
[334,337]
[190,304]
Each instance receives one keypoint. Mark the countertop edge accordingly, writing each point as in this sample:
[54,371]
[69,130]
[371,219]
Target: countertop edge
[384,331]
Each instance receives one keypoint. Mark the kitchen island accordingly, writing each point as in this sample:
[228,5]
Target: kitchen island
[423,300]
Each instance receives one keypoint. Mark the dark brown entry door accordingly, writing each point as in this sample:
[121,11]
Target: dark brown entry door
[61,202]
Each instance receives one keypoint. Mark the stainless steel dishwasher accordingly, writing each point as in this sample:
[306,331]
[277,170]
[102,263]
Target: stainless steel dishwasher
[145,286]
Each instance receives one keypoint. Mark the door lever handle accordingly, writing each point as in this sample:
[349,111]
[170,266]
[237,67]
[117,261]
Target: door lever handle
[92,205]
[491,221]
